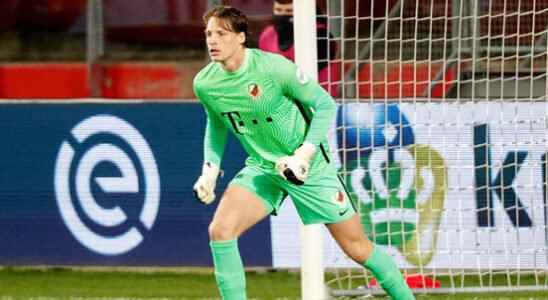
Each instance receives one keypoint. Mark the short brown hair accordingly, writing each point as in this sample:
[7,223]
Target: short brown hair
[234,20]
[284,1]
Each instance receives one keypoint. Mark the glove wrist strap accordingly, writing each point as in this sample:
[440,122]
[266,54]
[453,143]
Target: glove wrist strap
[306,151]
[210,170]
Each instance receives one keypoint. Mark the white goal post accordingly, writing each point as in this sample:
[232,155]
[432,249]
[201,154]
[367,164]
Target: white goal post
[441,137]
[312,272]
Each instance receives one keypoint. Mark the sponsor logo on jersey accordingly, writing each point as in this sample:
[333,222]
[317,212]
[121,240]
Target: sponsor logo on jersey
[254,91]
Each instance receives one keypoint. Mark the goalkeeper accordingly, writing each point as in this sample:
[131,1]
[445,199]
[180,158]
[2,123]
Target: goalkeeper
[281,119]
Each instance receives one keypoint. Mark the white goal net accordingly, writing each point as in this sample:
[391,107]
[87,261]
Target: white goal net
[441,137]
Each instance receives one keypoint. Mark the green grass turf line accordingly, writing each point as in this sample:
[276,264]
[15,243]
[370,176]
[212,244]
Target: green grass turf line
[67,284]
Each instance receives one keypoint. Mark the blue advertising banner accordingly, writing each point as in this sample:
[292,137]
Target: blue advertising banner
[110,184]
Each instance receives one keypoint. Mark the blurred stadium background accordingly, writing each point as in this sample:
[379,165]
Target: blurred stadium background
[114,78]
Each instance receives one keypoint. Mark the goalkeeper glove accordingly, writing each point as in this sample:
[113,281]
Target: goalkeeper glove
[294,168]
[204,188]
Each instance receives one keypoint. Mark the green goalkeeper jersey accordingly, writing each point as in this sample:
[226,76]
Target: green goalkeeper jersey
[268,104]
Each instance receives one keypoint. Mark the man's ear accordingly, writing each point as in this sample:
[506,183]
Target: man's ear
[242,37]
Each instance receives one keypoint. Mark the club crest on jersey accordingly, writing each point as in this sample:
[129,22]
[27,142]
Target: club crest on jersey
[254,91]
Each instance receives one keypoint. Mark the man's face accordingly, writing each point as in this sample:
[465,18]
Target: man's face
[221,42]
[283,9]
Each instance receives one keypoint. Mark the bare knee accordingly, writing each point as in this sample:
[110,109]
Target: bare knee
[352,239]
[359,250]
[221,231]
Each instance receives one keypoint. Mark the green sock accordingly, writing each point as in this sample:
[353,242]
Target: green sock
[388,275]
[229,269]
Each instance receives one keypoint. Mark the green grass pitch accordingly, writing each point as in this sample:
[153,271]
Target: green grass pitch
[71,284]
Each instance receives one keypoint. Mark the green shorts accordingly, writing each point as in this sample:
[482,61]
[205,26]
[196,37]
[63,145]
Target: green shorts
[322,199]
